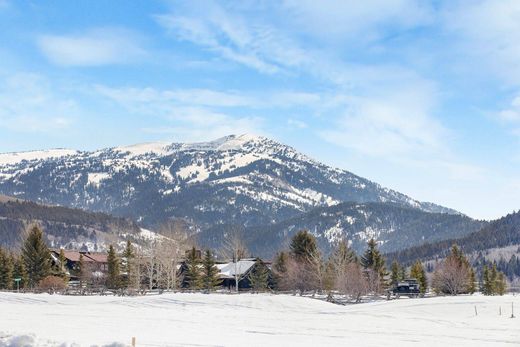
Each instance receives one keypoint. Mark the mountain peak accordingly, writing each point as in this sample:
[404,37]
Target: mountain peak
[226,143]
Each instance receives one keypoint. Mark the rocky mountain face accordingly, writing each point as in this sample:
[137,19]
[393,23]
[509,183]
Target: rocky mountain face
[246,180]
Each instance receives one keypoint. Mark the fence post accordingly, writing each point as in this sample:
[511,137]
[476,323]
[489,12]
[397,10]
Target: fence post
[475,310]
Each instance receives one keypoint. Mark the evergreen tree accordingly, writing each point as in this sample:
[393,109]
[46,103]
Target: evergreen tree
[487,288]
[471,285]
[259,276]
[210,274]
[128,263]
[373,260]
[303,246]
[493,281]
[192,275]
[329,278]
[417,271]
[20,272]
[36,256]
[113,275]
[6,270]
[402,273]
[61,270]
[280,270]
[80,270]
[493,275]
[395,275]
[501,284]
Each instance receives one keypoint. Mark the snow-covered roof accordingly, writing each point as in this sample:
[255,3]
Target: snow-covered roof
[239,268]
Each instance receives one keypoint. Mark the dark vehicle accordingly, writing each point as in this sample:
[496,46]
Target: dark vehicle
[409,288]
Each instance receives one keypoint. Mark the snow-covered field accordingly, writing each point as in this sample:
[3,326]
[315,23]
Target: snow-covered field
[254,320]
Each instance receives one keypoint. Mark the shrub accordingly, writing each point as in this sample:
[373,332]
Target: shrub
[52,284]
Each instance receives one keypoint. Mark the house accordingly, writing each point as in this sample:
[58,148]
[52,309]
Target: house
[96,262]
[241,269]
[229,270]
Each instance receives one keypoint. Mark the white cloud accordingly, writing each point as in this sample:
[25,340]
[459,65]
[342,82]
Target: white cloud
[226,125]
[396,123]
[511,114]
[95,47]
[30,103]
[137,98]
[235,37]
[190,114]
[346,20]
[197,96]
[489,32]
[296,123]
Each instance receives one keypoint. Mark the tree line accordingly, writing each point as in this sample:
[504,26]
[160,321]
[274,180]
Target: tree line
[171,262]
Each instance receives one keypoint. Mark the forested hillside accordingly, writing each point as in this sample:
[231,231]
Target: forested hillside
[394,226]
[63,226]
[500,233]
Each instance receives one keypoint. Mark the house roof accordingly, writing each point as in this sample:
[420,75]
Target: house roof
[89,257]
[69,255]
[229,270]
[97,257]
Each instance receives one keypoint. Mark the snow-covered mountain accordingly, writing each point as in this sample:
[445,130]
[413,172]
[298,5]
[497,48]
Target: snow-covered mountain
[247,179]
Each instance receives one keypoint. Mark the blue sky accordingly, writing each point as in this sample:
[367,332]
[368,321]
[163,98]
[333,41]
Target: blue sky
[422,97]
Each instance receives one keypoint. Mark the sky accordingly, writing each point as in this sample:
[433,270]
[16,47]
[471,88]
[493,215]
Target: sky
[420,96]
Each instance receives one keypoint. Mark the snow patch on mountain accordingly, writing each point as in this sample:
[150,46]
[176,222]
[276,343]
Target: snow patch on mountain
[157,148]
[95,178]
[17,157]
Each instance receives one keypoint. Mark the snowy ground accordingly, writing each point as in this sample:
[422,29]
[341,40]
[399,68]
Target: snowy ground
[255,320]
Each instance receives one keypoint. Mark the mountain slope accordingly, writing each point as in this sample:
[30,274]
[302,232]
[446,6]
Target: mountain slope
[65,227]
[393,225]
[247,180]
[500,233]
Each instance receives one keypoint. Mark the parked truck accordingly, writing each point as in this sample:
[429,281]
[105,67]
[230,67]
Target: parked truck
[408,287]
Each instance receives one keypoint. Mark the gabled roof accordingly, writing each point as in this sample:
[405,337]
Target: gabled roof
[89,257]
[229,270]
[69,255]
[97,257]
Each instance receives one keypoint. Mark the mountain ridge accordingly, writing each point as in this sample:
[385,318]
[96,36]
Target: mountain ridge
[245,180]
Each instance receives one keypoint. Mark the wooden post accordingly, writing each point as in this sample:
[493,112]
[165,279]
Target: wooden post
[475,310]
[499,310]
[133,341]
[512,311]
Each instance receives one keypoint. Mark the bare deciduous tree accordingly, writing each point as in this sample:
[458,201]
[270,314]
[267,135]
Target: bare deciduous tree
[149,263]
[451,276]
[171,249]
[234,249]
[300,275]
[351,281]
